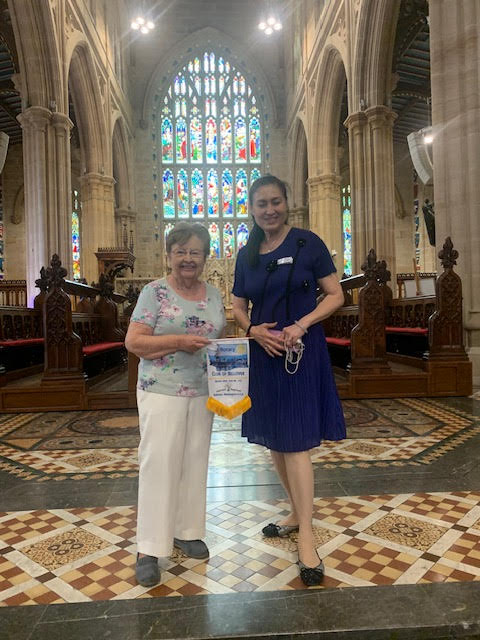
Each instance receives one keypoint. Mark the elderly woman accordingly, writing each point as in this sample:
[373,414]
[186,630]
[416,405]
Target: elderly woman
[173,321]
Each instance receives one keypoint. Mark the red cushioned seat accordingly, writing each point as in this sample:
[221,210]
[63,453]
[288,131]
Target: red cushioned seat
[100,346]
[418,331]
[339,342]
[21,342]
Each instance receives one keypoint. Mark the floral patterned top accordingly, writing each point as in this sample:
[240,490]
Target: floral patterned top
[167,313]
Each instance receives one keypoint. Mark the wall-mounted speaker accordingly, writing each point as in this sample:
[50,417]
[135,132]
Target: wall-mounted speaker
[420,154]
[4,138]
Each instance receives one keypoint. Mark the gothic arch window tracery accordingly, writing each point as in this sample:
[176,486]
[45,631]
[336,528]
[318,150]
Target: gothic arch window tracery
[208,147]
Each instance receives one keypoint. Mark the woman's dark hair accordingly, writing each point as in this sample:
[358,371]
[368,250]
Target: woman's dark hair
[183,231]
[257,234]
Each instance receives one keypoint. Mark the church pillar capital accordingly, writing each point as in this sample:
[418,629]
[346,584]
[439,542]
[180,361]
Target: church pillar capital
[356,121]
[100,180]
[324,186]
[61,122]
[380,116]
[35,118]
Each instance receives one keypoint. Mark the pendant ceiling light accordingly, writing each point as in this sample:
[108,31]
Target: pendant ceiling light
[142,21]
[270,21]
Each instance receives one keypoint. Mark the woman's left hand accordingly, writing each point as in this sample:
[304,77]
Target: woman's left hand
[291,334]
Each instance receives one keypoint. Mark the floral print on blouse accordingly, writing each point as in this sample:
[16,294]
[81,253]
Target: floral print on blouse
[167,313]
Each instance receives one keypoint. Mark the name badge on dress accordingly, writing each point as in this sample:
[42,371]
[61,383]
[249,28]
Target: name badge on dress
[287,260]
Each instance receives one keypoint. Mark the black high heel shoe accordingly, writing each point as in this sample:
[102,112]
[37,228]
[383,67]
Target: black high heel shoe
[273,530]
[311,576]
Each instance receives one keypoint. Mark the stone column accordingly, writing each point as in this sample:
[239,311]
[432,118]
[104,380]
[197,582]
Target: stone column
[98,220]
[372,184]
[62,237]
[381,184]
[325,211]
[356,124]
[46,160]
[455,61]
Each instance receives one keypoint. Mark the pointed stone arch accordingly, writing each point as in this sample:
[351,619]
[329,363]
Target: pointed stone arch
[328,91]
[324,181]
[122,174]
[87,99]
[196,43]
[237,173]
[42,81]
[372,55]
[299,148]
[97,193]
[121,151]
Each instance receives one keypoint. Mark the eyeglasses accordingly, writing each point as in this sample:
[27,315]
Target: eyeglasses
[193,253]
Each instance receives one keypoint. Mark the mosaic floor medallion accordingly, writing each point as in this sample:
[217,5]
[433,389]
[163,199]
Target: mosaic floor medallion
[82,554]
[77,444]
[64,548]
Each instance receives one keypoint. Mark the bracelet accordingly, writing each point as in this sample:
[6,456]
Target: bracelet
[300,326]
[247,333]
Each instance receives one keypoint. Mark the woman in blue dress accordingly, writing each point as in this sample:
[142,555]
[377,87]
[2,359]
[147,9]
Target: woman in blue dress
[295,404]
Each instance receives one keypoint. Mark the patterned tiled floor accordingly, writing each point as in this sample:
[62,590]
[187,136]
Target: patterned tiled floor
[78,445]
[79,555]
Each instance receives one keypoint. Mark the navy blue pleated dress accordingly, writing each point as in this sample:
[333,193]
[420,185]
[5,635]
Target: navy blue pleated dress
[289,412]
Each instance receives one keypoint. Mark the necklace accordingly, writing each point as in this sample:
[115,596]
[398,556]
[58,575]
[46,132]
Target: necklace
[268,247]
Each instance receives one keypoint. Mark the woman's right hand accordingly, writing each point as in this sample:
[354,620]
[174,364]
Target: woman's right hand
[191,343]
[272,344]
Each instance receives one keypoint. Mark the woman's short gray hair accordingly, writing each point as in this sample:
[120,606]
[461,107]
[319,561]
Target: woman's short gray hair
[183,231]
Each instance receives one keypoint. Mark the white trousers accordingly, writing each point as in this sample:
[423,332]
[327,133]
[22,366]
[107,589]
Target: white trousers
[173,462]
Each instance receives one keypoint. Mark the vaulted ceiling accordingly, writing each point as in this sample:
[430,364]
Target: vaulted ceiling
[10,103]
[411,68]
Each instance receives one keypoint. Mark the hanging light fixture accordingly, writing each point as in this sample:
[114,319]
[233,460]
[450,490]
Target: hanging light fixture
[271,22]
[142,22]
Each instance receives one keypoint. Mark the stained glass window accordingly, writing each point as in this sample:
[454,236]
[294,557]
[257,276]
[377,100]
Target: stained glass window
[347,230]
[197,194]
[242,235]
[228,240]
[242,193]
[212,194]
[182,194]
[76,234]
[211,130]
[215,240]
[168,200]
[227,193]
[167,138]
